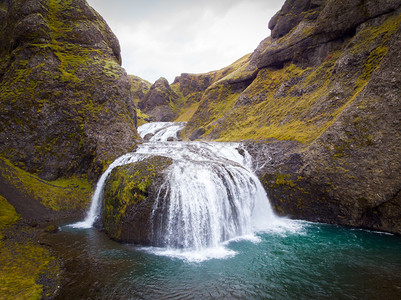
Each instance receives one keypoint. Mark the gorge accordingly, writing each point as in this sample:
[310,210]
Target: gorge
[307,127]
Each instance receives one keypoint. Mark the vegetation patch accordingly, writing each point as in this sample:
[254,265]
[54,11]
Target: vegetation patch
[8,215]
[61,194]
[21,263]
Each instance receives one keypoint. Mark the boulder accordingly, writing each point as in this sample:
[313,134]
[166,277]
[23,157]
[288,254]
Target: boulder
[129,196]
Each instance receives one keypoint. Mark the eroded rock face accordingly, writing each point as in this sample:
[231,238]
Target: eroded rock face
[129,195]
[65,100]
[307,31]
[139,88]
[158,100]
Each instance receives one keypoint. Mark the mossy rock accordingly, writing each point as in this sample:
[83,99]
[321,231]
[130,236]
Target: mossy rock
[129,194]
[65,100]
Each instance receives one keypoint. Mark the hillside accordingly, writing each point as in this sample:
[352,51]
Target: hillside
[320,100]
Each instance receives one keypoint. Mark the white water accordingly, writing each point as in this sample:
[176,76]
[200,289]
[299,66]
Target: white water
[211,195]
[161,131]
[94,210]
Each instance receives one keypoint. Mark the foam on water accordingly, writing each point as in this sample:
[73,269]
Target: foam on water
[192,255]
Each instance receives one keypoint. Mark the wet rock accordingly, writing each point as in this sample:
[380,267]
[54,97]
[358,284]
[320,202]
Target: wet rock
[148,136]
[129,195]
[51,229]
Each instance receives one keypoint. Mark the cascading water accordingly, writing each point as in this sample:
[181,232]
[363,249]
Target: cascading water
[210,196]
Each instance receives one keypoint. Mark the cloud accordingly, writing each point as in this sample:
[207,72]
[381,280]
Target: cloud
[167,38]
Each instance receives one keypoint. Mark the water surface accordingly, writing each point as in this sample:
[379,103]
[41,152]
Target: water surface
[302,261]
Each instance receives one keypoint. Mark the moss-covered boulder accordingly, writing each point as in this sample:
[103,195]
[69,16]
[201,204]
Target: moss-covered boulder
[65,101]
[129,196]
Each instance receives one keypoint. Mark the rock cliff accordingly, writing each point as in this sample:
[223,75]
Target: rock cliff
[65,100]
[66,112]
[139,89]
[159,101]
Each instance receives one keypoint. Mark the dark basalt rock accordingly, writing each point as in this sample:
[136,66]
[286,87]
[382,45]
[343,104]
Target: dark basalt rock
[190,83]
[306,31]
[139,87]
[65,100]
[197,134]
[129,196]
[156,102]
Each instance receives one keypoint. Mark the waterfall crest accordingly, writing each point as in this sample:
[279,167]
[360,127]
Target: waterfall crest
[210,194]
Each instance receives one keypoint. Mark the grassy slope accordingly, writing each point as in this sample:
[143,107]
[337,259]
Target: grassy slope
[62,194]
[291,103]
[21,262]
[187,105]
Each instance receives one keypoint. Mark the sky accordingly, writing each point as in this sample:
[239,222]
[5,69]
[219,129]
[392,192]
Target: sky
[164,38]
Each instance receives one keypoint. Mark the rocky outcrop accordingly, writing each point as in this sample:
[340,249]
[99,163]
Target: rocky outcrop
[65,100]
[226,85]
[139,88]
[129,195]
[158,102]
[313,29]
[180,100]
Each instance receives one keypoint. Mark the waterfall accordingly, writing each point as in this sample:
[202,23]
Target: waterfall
[94,210]
[210,194]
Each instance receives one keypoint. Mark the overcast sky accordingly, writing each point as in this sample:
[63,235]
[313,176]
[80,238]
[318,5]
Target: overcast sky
[164,38]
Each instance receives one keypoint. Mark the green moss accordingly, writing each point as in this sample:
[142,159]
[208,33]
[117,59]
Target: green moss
[139,87]
[8,215]
[283,179]
[128,186]
[21,263]
[187,112]
[61,194]
[141,117]
[271,115]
